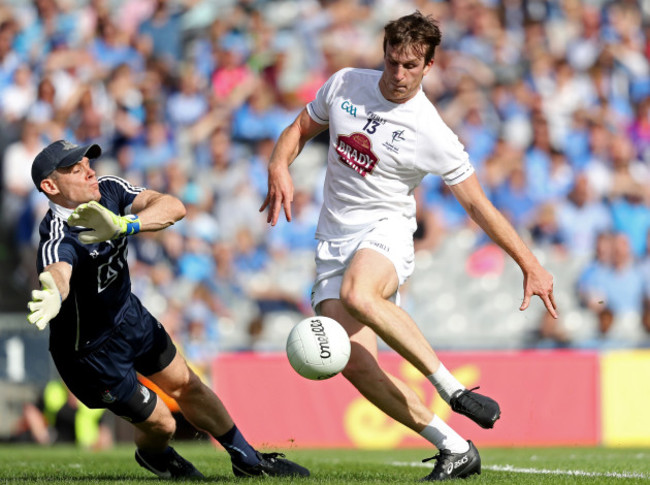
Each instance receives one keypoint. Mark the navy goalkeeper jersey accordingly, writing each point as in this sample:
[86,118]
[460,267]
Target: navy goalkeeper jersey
[100,286]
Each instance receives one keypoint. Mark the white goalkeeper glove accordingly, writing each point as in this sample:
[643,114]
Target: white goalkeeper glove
[103,223]
[46,302]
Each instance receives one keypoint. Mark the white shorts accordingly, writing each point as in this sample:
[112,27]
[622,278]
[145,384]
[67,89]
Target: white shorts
[392,238]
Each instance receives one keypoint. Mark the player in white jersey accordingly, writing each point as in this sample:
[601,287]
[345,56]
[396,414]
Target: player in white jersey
[385,136]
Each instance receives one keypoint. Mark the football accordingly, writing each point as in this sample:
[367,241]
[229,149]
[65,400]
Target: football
[318,348]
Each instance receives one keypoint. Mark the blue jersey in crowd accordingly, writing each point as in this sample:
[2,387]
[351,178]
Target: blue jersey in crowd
[100,286]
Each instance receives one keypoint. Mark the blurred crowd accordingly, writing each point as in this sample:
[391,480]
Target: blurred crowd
[550,97]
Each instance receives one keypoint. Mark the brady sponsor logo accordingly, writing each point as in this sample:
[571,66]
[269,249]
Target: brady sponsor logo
[349,107]
[323,341]
[355,151]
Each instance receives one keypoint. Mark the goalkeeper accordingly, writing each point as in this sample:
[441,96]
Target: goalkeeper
[100,334]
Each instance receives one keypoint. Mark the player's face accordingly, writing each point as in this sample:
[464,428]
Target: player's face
[76,185]
[403,73]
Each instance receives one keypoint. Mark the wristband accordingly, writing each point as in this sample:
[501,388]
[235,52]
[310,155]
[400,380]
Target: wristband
[132,225]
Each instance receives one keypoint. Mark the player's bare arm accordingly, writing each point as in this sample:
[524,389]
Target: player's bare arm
[157,211]
[61,273]
[537,281]
[288,147]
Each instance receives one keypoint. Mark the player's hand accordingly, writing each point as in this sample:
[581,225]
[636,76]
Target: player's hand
[46,302]
[279,195]
[539,282]
[103,224]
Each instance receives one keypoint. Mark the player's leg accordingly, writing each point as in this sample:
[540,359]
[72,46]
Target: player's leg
[152,437]
[202,408]
[155,432]
[392,396]
[369,282]
[106,378]
[385,391]
[205,411]
[159,361]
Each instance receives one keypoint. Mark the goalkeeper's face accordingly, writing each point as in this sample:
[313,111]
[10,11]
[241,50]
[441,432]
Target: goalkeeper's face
[71,186]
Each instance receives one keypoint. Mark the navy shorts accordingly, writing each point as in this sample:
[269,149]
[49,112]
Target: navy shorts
[106,377]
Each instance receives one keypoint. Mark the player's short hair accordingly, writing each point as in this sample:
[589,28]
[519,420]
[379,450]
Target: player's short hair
[415,30]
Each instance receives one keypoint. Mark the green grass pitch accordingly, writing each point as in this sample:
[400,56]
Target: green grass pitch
[526,466]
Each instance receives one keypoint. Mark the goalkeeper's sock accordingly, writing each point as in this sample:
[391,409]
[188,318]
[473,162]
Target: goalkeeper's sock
[445,383]
[238,448]
[443,437]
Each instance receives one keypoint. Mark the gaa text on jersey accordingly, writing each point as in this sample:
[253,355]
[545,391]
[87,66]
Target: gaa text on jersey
[349,107]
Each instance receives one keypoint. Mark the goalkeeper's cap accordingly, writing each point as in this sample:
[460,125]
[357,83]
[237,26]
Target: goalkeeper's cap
[60,154]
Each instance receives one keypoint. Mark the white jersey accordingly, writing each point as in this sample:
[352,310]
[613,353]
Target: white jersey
[379,152]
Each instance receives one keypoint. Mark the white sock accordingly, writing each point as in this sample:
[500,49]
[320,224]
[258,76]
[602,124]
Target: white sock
[443,437]
[445,383]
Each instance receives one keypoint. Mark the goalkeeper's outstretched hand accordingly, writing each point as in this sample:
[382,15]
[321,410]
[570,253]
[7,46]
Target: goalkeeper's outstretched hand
[46,302]
[103,224]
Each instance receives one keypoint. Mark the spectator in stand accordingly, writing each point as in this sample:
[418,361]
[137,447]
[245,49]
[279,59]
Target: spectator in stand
[581,217]
[540,183]
[639,129]
[111,48]
[17,202]
[545,230]
[631,216]
[576,144]
[189,103]
[232,80]
[44,110]
[471,112]
[260,116]
[513,199]
[17,98]
[86,120]
[9,59]
[162,33]
[156,150]
[593,277]
[16,172]
[628,195]
[199,334]
[598,167]
[613,289]
[44,23]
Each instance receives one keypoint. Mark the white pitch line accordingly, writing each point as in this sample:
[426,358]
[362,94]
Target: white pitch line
[540,471]
[577,473]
